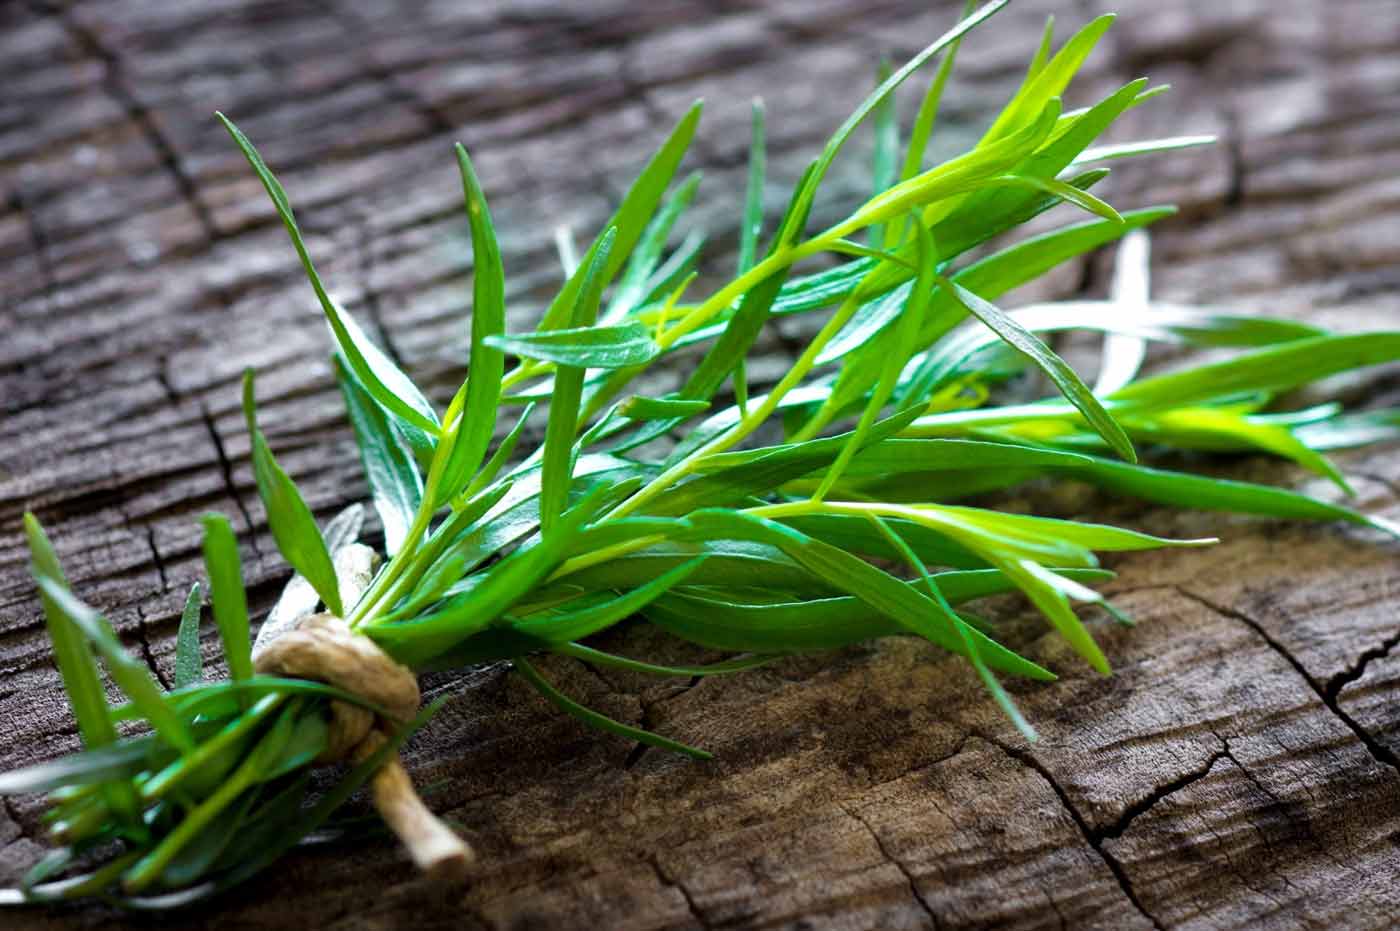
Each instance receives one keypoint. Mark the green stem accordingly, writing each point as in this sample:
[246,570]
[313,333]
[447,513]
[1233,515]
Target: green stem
[606,554]
[374,598]
[748,424]
[154,863]
[178,771]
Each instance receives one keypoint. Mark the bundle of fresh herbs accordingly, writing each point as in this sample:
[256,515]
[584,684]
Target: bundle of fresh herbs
[840,531]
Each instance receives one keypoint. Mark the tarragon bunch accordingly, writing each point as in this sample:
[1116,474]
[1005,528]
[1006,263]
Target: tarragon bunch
[812,514]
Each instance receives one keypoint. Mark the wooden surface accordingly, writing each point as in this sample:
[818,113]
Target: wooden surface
[1239,769]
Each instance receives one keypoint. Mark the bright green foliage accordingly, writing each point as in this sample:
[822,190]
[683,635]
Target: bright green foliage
[293,527]
[189,662]
[226,592]
[815,514]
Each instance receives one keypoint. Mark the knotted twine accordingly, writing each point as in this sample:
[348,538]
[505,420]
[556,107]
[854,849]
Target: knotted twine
[323,648]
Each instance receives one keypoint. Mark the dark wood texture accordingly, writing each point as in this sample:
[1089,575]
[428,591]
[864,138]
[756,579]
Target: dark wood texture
[1239,769]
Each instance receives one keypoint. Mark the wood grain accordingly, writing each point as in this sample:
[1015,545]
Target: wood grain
[1241,768]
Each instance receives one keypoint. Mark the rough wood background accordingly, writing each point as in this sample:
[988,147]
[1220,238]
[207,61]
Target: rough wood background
[1240,768]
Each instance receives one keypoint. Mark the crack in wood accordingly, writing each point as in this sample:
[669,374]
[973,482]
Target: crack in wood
[48,281]
[255,42]
[675,883]
[136,110]
[12,812]
[1090,836]
[226,470]
[1358,669]
[144,639]
[1145,804]
[896,863]
[156,558]
[1379,752]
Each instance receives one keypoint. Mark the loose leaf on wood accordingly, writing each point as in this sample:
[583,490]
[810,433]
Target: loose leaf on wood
[601,721]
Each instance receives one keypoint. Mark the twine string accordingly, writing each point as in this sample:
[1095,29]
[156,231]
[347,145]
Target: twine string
[323,648]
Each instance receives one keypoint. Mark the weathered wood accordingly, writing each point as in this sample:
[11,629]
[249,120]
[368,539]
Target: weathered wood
[1242,767]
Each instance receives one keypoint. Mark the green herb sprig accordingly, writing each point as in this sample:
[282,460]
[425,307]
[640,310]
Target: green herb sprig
[816,513]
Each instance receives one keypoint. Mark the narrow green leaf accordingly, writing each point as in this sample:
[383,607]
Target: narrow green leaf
[75,662]
[999,207]
[642,408]
[937,190]
[1042,53]
[1273,369]
[729,478]
[1216,427]
[200,817]
[111,763]
[584,347]
[752,223]
[878,589]
[1068,192]
[214,758]
[600,658]
[194,861]
[896,346]
[1064,377]
[415,642]
[395,485]
[385,382]
[989,679]
[743,328]
[293,526]
[472,432]
[189,663]
[966,352]
[1351,430]
[498,459]
[221,564]
[627,225]
[130,674]
[713,618]
[885,155]
[807,188]
[375,371]
[557,459]
[898,454]
[291,822]
[1101,153]
[601,721]
[567,625]
[866,324]
[923,128]
[641,277]
[736,563]
[1048,80]
[1180,489]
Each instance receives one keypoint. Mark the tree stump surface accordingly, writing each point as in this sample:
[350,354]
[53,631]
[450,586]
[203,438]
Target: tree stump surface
[1240,768]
